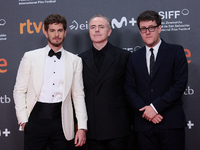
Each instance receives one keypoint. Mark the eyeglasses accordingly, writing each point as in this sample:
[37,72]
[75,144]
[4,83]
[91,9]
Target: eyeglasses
[151,29]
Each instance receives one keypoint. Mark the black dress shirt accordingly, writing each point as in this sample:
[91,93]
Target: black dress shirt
[99,56]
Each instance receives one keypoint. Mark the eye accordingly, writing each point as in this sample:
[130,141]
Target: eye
[61,30]
[92,27]
[51,30]
[143,29]
[151,27]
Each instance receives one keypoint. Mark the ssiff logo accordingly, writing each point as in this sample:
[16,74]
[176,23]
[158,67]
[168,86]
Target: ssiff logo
[2,22]
[3,63]
[173,14]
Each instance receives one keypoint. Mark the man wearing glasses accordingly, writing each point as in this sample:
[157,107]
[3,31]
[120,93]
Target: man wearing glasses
[155,79]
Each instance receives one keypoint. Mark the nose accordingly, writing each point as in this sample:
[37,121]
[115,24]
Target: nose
[56,33]
[97,29]
[147,32]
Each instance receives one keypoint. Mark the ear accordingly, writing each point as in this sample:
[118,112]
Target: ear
[139,32]
[109,31]
[159,28]
[65,32]
[46,34]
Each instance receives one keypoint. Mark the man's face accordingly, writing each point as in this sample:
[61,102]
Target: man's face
[99,30]
[150,38]
[56,34]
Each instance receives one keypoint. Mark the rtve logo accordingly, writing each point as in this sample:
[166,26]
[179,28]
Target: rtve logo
[173,14]
[31,27]
[3,63]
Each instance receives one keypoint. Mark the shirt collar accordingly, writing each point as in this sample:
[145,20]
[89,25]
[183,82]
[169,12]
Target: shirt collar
[103,50]
[48,49]
[156,47]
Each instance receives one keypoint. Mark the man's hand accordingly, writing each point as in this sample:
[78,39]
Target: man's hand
[80,138]
[149,112]
[23,125]
[157,119]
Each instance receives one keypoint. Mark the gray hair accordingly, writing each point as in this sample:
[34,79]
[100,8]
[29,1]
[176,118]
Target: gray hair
[99,15]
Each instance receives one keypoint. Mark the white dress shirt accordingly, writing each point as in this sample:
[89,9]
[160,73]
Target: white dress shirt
[52,87]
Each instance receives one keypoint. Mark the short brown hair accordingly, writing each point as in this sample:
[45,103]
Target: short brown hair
[149,15]
[54,18]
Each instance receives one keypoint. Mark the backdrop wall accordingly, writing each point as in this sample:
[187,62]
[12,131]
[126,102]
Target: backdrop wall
[21,23]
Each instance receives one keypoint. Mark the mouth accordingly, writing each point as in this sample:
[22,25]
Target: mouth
[97,35]
[148,37]
[56,39]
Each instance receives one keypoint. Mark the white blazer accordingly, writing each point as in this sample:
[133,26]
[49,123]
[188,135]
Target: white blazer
[29,82]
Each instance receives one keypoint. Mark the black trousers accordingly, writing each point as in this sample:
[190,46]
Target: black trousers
[122,143]
[44,129]
[159,139]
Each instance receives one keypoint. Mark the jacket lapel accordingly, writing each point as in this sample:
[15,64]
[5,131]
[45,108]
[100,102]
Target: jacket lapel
[38,70]
[108,61]
[160,57]
[89,60]
[68,74]
[143,64]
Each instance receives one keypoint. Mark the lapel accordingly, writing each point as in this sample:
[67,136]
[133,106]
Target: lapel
[143,64]
[38,72]
[38,69]
[108,61]
[68,73]
[89,61]
[162,51]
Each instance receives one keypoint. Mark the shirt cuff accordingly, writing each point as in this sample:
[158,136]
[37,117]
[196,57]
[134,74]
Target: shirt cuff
[20,126]
[154,108]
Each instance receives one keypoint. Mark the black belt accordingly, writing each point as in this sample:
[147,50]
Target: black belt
[47,110]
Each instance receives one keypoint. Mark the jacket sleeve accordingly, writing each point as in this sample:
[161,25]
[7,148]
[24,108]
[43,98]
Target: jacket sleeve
[21,87]
[78,96]
[130,88]
[178,85]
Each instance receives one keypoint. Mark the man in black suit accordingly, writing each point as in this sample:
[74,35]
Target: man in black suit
[103,76]
[154,82]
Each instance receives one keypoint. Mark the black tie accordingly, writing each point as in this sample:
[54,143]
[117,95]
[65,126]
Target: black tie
[51,53]
[151,62]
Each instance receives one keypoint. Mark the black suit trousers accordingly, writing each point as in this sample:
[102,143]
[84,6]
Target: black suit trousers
[159,139]
[42,133]
[44,128]
[122,143]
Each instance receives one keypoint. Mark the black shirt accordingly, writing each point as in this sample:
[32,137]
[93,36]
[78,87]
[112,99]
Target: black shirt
[99,56]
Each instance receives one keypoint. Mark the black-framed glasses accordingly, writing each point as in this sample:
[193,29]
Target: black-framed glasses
[151,29]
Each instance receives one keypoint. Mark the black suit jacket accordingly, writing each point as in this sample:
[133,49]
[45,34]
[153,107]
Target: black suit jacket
[164,90]
[104,94]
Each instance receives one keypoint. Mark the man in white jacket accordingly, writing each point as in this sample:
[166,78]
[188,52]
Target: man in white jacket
[47,82]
